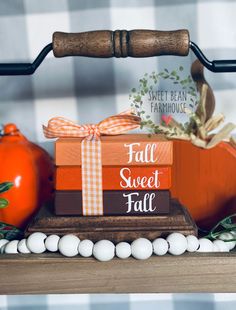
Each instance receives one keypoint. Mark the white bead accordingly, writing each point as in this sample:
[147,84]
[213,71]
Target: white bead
[68,245]
[205,245]
[222,246]
[11,247]
[192,243]
[160,246]
[51,243]
[177,243]
[123,250]
[141,248]
[215,247]
[228,236]
[22,247]
[35,243]
[104,250]
[3,242]
[86,248]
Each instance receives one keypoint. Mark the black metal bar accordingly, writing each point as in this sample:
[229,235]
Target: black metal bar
[224,65]
[29,68]
[25,68]
[215,65]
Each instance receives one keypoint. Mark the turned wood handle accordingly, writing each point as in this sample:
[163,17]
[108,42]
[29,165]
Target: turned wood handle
[121,43]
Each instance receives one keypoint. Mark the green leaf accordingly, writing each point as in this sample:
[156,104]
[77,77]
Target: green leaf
[5,186]
[138,98]
[173,73]
[3,203]
[228,222]
[133,90]
[181,68]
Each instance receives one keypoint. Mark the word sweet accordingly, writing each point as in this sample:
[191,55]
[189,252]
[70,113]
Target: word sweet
[144,182]
[142,205]
[141,156]
[162,95]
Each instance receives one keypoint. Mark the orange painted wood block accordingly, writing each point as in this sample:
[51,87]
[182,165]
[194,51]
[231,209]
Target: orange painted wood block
[205,181]
[132,150]
[117,178]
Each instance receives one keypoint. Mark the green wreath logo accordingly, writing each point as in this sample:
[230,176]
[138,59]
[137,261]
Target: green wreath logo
[149,82]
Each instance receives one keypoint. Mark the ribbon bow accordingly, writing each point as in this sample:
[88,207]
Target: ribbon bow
[59,127]
[91,161]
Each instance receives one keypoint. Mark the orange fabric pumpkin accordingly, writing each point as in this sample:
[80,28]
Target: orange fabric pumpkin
[205,181]
[30,168]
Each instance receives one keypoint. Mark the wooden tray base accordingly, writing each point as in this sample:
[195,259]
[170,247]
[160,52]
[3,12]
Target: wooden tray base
[114,228]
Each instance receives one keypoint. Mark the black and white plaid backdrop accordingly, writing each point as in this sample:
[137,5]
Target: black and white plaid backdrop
[87,90]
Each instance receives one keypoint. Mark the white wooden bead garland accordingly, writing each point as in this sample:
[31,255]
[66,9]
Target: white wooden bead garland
[104,250]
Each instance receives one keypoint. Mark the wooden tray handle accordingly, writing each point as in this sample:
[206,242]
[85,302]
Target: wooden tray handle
[121,43]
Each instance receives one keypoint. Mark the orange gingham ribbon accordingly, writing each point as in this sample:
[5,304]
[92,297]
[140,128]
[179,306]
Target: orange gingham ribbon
[91,162]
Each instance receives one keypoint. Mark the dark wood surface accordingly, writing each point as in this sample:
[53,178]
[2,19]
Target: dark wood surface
[52,273]
[121,43]
[115,228]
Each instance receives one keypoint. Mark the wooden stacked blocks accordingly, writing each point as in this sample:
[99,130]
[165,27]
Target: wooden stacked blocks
[136,179]
[136,175]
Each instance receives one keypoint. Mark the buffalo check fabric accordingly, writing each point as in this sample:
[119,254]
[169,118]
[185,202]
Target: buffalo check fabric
[92,177]
[119,301]
[87,90]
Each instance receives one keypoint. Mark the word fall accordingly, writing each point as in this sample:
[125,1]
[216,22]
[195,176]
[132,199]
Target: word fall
[143,205]
[144,156]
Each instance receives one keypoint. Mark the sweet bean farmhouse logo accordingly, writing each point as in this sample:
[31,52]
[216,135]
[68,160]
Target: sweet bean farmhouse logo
[159,96]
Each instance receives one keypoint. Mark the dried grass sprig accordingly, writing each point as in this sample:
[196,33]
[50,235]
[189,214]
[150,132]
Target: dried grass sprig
[198,130]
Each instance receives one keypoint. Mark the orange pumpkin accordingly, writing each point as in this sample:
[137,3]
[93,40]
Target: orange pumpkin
[30,168]
[205,181]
